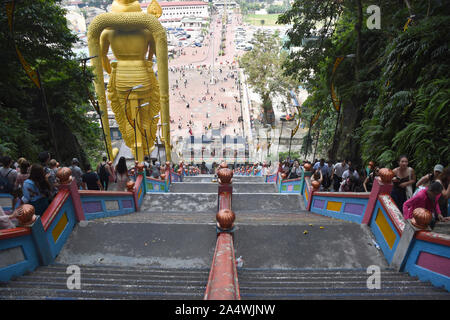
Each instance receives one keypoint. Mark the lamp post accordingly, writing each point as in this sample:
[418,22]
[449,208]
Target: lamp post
[155,140]
[336,101]
[139,108]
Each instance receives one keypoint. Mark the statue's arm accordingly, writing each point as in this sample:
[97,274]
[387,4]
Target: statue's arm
[104,48]
[151,48]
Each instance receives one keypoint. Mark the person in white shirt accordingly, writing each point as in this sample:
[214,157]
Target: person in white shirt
[338,171]
[350,171]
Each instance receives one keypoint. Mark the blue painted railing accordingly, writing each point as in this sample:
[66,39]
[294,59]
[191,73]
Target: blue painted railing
[23,249]
[98,204]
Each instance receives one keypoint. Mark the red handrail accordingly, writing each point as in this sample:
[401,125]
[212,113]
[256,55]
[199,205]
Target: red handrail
[223,280]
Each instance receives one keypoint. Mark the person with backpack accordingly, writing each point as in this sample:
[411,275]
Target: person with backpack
[77,173]
[104,171]
[90,180]
[37,190]
[8,175]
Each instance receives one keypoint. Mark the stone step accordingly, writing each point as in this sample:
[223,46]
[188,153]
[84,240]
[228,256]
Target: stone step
[130,273]
[180,202]
[267,202]
[209,178]
[317,245]
[109,282]
[137,244]
[41,293]
[302,218]
[270,284]
[212,187]
[237,178]
[194,187]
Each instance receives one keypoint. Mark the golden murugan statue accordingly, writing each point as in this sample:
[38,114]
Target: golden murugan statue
[135,94]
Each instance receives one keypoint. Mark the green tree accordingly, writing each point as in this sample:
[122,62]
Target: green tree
[263,68]
[41,34]
[390,87]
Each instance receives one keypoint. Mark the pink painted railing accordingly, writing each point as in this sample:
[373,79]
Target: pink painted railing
[223,280]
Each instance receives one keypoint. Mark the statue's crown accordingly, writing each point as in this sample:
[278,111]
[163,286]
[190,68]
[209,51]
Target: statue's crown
[126,6]
[154,9]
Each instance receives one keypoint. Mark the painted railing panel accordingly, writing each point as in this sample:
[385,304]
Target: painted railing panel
[272,178]
[385,231]
[99,204]
[306,190]
[175,177]
[156,186]
[291,186]
[429,258]
[60,225]
[18,253]
[349,207]
[140,191]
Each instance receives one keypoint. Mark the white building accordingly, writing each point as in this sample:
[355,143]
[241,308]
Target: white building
[229,3]
[174,11]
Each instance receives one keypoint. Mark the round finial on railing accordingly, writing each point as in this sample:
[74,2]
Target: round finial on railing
[307,167]
[315,184]
[225,219]
[140,168]
[64,175]
[130,186]
[421,218]
[283,176]
[25,215]
[386,175]
[225,175]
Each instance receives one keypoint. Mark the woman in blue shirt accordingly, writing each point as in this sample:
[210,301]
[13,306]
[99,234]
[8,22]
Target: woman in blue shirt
[36,189]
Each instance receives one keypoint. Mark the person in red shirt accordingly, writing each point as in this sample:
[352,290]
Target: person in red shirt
[427,198]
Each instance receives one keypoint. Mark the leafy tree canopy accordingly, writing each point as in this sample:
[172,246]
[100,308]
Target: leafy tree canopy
[42,36]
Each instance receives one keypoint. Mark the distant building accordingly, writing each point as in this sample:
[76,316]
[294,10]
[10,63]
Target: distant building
[193,22]
[229,3]
[175,11]
[214,147]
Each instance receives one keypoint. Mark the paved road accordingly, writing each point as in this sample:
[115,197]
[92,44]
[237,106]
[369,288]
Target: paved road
[205,99]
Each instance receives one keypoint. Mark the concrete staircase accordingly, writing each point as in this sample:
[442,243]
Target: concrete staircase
[165,251]
[211,187]
[328,284]
[109,282]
